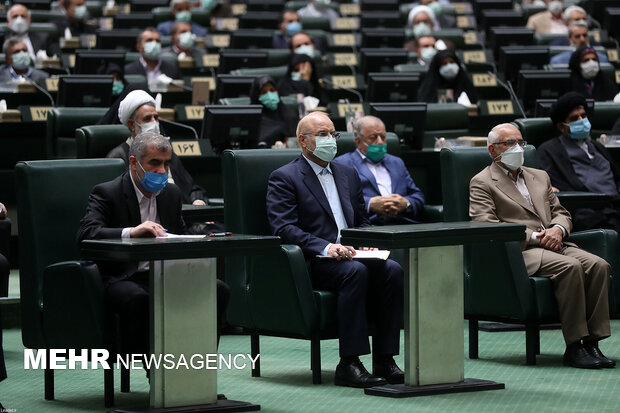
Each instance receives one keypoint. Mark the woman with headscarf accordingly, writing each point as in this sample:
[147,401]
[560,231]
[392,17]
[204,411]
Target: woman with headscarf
[587,77]
[446,80]
[302,77]
[277,121]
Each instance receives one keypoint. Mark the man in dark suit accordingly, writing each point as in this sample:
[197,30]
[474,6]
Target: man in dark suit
[183,41]
[308,202]
[18,25]
[137,112]
[75,19]
[575,162]
[149,64]
[18,64]
[139,203]
[389,192]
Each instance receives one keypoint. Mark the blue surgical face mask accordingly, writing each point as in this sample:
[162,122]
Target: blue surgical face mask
[293,28]
[186,40]
[270,100]
[421,30]
[117,87]
[580,129]
[208,4]
[21,60]
[80,12]
[326,148]
[153,182]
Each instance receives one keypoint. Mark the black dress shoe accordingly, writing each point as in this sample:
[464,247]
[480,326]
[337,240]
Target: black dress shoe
[354,374]
[595,352]
[577,356]
[388,369]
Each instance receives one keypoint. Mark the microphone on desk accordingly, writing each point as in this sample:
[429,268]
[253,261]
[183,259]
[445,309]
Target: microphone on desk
[164,121]
[510,91]
[45,92]
[355,92]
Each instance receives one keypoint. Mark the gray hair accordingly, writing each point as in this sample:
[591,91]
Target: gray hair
[493,136]
[578,23]
[358,126]
[16,4]
[145,140]
[570,9]
[8,43]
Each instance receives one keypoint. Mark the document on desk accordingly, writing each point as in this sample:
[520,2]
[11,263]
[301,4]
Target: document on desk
[182,236]
[365,255]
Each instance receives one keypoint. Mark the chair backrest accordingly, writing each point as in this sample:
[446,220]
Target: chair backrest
[536,130]
[61,126]
[604,116]
[448,120]
[346,143]
[95,141]
[458,166]
[245,174]
[52,198]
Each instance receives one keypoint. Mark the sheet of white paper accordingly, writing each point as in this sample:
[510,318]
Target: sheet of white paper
[363,255]
[183,236]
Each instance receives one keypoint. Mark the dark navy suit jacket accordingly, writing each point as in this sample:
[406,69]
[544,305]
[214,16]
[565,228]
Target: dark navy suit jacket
[298,210]
[402,184]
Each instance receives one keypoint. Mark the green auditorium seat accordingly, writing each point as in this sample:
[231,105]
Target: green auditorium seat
[497,286]
[61,126]
[315,23]
[47,28]
[604,116]
[290,101]
[270,295]
[276,72]
[200,16]
[448,120]
[536,130]
[96,141]
[61,297]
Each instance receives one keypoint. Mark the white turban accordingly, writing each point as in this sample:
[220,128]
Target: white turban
[423,9]
[133,101]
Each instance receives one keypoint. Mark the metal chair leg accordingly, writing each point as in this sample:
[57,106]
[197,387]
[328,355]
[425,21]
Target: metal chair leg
[255,350]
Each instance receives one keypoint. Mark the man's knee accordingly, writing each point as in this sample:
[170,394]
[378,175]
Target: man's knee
[394,273]
[356,272]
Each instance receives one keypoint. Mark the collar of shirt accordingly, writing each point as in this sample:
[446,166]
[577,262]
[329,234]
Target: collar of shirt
[365,158]
[15,76]
[508,172]
[316,167]
[147,68]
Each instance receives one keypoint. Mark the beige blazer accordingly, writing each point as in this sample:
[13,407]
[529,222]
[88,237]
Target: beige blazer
[540,22]
[493,197]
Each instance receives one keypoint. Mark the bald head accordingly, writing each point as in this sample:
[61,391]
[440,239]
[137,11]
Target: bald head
[307,123]
[316,123]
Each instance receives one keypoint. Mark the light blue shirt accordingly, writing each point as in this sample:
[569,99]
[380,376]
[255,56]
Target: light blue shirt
[326,178]
[381,174]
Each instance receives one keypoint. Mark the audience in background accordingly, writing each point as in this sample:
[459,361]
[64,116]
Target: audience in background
[184,43]
[302,77]
[446,80]
[577,37]
[550,20]
[19,64]
[118,85]
[277,121]
[75,19]
[181,10]
[289,26]
[318,8]
[150,63]
[423,21]
[18,25]
[587,77]
[424,48]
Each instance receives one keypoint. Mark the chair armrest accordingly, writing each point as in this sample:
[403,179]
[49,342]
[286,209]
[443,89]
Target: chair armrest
[432,213]
[73,305]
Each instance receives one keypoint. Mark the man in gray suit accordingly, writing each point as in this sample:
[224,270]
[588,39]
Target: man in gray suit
[19,64]
[506,191]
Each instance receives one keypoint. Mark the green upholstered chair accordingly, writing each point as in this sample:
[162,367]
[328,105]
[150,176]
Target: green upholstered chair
[61,297]
[277,72]
[448,120]
[270,295]
[61,126]
[604,116]
[536,130]
[497,286]
[96,141]
[200,16]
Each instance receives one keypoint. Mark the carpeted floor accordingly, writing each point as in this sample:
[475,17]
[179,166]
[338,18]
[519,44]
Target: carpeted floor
[286,383]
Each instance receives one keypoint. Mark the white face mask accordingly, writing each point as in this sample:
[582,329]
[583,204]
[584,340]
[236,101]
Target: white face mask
[449,71]
[306,49]
[19,25]
[296,76]
[147,127]
[512,158]
[590,69]
[428,53]
[555,7]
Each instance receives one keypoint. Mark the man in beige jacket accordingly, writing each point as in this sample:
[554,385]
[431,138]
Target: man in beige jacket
[506,191]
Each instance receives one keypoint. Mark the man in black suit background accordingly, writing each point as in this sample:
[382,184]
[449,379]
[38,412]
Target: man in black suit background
[309,201]
[139,203]
[18,25]
[150,64]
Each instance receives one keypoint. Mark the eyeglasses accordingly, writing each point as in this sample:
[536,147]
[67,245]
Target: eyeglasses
[511,142]
[324,134]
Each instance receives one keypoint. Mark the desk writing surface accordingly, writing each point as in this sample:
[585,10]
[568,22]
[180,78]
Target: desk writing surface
[146,249]
[432,235]
[576,199]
